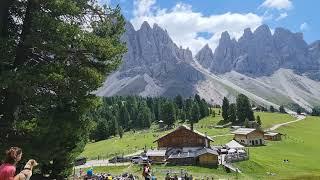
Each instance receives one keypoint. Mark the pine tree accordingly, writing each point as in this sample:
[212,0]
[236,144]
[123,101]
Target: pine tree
[243,107]
[281,109]
[179,101]
[232,112]
[259,120]
[203,108]
[124,117]
[120,132]
[213,113]
[168,113]
[195,114]
[225,109]
[246,123]
[272,109]
[250,115]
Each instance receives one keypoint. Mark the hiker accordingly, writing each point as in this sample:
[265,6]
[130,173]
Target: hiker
[146,173]
[8,168]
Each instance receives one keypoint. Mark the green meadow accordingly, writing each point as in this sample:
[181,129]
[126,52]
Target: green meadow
[299,145]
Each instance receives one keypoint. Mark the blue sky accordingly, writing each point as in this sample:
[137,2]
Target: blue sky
[194,23]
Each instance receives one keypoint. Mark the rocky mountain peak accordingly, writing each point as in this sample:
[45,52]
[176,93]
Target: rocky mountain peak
[205,56]
[145,26]
[263,30]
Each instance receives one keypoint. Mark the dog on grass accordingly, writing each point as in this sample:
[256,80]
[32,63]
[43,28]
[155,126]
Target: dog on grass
[26,173]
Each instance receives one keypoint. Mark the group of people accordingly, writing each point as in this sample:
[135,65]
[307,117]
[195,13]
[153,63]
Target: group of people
[90,175]
[8,166]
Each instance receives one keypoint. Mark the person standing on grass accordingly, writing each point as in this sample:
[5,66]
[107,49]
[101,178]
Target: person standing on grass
[146,173]
[8,168]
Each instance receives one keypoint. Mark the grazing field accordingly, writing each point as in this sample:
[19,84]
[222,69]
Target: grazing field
[300,146]
[134,141]
[269,119]
[160,171]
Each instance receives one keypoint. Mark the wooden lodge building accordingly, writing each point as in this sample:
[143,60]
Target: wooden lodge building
[272,136]
[185,146]
[183,136]
[249,136]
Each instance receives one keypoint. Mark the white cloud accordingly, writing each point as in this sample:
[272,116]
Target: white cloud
[143,7]
[304,26]
[183,24]
[277,4]
[282,16]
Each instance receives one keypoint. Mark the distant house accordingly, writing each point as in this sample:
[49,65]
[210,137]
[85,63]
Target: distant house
[157,156]
[207,157]
[249,136]
[202,157]
[272,136]
[234,145]
[185,146]
[183,136]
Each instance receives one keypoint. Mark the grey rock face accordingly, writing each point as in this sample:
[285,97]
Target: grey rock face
[261,53]
[152,53]
[205,56]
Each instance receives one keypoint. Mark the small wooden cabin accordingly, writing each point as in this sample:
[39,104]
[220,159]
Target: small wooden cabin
[272,136]
[157,156]
[207,157]
[249,136]
[183,136]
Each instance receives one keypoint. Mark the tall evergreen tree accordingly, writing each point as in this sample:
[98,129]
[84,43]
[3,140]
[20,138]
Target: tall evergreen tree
[195,114]
[197,98]
[120,132]
[272,109]
[53,55]
[124,117]
[281,109]
[225,109]
[179,101]
[232,112]
[168,113]
[259,120]
[243,107]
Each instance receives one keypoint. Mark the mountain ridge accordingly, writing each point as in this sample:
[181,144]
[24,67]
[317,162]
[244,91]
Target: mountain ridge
[155,66]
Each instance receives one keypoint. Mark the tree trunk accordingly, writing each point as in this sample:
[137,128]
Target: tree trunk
[23,46]
[4,17]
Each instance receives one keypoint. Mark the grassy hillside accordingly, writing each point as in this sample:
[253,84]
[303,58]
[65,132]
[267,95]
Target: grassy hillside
[299,146]
[134,141]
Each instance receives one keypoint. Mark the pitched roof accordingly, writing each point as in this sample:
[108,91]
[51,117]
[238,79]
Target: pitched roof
[244,131]
[234,145]
[272,133]
[156,152]
[188,128]
[207,150]
[183,155]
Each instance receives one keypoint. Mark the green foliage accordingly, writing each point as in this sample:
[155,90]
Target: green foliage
[232,112]
[195,114]
[244,108]
[225,109]
[144,116]
[259,120]
[272,109]
[179,101]
[168,113]
[246,123]
[316,111]
[203,108]
[49,65]
[281,109]
[120,131]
